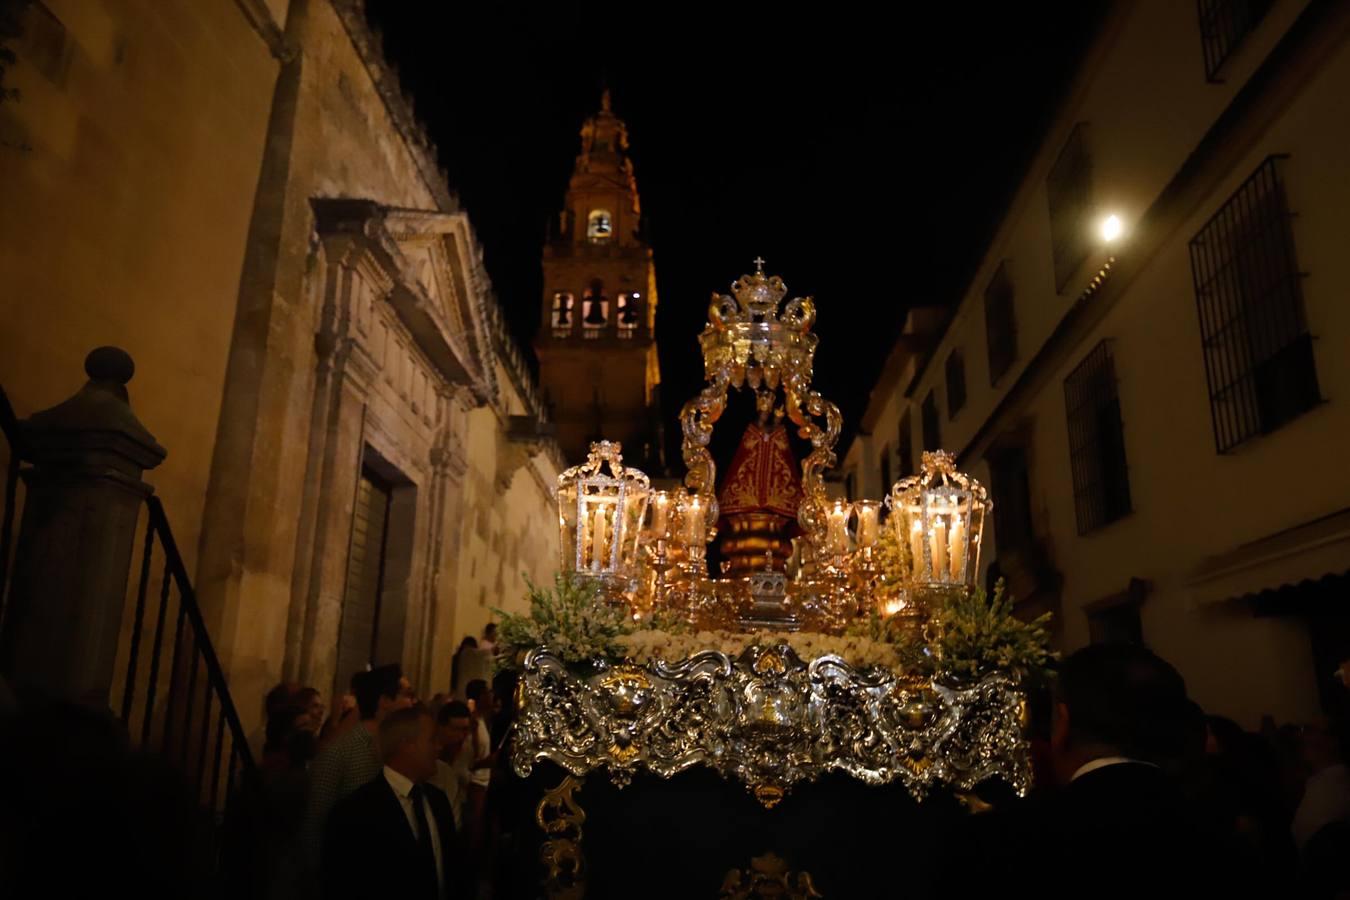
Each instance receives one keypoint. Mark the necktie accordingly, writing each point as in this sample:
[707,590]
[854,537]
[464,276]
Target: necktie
[428,856]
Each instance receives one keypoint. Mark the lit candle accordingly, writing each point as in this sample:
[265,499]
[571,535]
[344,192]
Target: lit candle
[598,539]
[660,514]
[836,537]
[916,546]
[694,529]
[868,521]
[957,549]
[938,547]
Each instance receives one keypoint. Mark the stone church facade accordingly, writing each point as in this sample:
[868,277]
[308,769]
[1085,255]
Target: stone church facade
[239,195]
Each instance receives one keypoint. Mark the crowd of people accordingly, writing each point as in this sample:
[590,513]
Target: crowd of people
[1138,792]
[383,774]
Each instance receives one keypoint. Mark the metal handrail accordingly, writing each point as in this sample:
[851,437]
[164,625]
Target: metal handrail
[179,708]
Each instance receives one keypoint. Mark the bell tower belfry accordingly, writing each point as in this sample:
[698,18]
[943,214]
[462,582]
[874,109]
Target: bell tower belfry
[597,341]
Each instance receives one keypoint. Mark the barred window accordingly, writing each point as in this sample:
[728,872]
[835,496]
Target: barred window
[1223,25]
[1000,323]
[1248,291]
[905,445]
[1101,483]
[956,382]
[1068,189]
[932,433]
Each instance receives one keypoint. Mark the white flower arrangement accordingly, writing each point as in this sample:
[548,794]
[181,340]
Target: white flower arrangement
[974,636]
[644,647]
[577,625]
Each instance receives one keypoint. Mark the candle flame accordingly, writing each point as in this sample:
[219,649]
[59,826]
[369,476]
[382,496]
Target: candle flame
[891,607]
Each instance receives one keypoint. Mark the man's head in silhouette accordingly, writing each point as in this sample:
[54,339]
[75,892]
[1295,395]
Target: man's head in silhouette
[381,691]
[1117,700]
[408,742]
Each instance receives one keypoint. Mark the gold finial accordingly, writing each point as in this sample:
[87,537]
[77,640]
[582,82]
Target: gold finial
[604,101]
[759,265]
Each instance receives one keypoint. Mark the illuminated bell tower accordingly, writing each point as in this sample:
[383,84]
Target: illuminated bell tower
[597,341]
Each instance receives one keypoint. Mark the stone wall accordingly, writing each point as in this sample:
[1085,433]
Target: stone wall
[1168,149]
[238,194]
[128,167]
[277,596]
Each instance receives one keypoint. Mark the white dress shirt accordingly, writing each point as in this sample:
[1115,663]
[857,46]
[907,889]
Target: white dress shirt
[403,786]
[1107,761]
[451,779]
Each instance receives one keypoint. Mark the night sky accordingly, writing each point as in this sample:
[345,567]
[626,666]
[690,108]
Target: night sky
[867,161]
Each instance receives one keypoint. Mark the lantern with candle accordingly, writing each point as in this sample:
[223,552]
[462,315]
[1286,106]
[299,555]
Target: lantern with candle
[869,524]
[861,569]
[939,514]
[836,531]
[601,505]
[655,558]
[691,529]
[662,506]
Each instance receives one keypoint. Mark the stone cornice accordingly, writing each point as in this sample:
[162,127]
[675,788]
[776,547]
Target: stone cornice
[364,236]
[356,231]
[548,487]
[369,47]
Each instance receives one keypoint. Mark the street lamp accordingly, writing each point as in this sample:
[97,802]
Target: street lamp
[1111,228]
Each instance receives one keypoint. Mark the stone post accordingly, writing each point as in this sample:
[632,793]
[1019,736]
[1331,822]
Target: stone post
[84,494]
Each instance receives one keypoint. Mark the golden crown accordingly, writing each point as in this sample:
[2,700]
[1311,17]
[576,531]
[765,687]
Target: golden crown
[747,338]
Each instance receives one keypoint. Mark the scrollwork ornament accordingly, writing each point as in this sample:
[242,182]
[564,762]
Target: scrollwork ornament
[768,876]
[560,817]
[770,720]
[748,341]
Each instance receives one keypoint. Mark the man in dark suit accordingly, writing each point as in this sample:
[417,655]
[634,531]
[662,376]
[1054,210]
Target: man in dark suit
[394,837]
[1118,824]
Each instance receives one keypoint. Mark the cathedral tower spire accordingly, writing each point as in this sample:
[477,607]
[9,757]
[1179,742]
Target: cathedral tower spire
[597,341]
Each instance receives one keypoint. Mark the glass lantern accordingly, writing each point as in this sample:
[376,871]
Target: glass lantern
[691,527]
[868,523]
[601,505]
[938,516]
[837,515]
[661,523]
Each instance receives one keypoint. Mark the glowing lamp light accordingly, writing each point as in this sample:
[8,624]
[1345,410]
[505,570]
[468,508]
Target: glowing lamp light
[1111,228]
